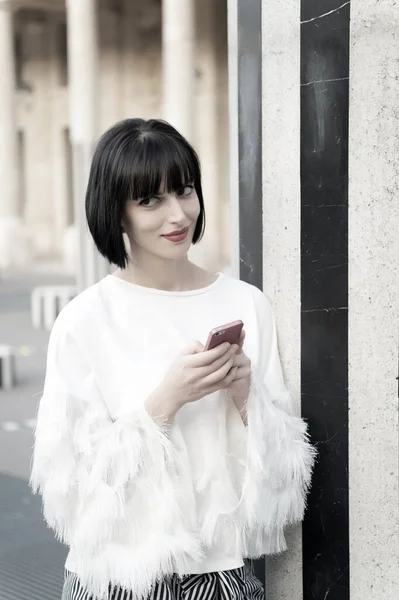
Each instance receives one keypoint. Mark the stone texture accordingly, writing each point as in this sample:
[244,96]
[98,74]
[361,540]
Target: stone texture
[373,299]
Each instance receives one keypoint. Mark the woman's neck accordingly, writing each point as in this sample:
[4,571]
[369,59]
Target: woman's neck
[174,276]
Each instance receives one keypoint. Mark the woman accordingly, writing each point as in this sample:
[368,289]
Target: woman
[161,465]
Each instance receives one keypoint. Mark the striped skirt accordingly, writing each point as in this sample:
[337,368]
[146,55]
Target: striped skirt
[237,584]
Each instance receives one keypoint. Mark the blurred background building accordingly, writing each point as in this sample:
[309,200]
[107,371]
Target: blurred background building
[68,71]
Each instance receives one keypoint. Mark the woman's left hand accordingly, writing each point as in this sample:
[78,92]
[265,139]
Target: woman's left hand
[239,387]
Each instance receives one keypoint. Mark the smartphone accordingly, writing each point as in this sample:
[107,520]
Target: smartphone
[225,333]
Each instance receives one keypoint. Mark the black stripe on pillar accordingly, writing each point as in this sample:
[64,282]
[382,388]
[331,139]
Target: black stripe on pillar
[249,20]
[324,290]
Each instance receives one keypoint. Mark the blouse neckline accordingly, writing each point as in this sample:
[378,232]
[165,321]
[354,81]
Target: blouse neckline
[156,292]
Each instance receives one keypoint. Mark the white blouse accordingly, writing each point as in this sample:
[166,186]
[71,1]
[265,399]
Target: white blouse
[135,501]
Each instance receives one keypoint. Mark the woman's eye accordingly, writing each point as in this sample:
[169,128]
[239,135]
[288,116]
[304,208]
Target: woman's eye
[186,191]
[149,201]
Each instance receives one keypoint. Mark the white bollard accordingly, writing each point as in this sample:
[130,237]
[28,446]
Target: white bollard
[7,367]
[47,302]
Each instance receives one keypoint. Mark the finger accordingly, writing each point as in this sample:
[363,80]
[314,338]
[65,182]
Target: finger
[194,348]
[219,374]
[220,385]
[242,373]
[209,356]
[218,363]
[230,377]
[241,341]
[240,360]
[218,369]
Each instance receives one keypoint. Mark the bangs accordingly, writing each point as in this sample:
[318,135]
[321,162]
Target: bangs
[161,165]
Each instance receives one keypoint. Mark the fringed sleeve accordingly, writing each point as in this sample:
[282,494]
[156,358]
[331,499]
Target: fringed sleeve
[280,457]
[83,461]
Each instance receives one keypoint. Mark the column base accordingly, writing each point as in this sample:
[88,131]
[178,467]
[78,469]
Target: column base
[15,244]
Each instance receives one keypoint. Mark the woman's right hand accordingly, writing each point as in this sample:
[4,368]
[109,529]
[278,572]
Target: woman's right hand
[193,375]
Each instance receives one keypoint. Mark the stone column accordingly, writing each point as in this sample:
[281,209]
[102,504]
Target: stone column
[11,242]
[83,109]
[208,94]
[178,44]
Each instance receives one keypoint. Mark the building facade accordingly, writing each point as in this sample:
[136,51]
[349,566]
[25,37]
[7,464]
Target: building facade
[71,69]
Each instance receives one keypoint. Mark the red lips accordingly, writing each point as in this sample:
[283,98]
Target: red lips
[177,232]
[177,236]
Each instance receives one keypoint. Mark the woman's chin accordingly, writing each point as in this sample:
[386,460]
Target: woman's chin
[174,252]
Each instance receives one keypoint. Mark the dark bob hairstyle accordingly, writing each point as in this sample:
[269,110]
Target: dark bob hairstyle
[132,160]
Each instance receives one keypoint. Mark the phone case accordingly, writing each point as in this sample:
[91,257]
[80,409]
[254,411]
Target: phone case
[224,333]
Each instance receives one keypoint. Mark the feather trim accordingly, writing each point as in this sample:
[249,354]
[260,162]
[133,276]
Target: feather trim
[54,466]
[279,466]
[273,460]
[137,569]
[97,476]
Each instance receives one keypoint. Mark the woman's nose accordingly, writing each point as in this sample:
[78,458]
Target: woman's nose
[175,209]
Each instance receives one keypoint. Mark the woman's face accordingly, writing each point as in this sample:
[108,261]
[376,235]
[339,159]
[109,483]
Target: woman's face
[150,222]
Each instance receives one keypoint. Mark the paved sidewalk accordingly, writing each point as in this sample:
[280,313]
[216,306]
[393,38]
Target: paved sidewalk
[31,560]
